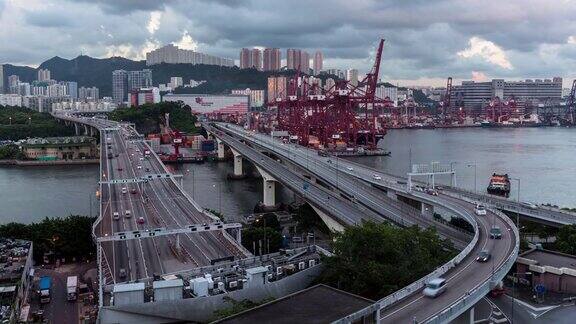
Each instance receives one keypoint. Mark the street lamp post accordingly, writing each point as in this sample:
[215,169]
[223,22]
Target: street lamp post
[474,165]
[518,207]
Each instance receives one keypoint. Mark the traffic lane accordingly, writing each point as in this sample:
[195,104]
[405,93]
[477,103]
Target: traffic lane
[460,280]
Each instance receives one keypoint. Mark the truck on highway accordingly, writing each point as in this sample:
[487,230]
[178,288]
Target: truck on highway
[44,289]
[72,287]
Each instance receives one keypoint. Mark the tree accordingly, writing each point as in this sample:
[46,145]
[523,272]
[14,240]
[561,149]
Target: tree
[566,239]
[18,123]
[270,239]
[374,260]
[149,117]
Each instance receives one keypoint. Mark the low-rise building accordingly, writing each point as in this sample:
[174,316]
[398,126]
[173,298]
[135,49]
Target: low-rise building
[256,96]
[553,271]
[15,277]
[60,148]
[13,100]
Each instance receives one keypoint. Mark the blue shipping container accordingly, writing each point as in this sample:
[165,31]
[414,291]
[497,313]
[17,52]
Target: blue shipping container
[207,146]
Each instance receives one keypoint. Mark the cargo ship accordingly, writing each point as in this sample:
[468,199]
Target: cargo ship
[499,185]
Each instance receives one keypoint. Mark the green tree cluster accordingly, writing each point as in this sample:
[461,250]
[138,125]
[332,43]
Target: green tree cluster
[374,260]
[68,237]
[566,239]
[308,219]
[18,123]
[149,117]
[271,240]
[11,152]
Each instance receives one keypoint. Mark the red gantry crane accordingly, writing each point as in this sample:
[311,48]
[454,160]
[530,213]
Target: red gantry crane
[343,116]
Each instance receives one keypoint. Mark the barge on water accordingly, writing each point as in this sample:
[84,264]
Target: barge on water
[499,185]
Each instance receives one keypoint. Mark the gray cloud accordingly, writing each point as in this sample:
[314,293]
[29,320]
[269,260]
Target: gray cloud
[422,37]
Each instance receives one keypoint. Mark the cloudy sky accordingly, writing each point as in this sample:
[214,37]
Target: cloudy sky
[426,40]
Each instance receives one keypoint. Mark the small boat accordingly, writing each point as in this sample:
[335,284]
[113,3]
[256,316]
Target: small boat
[499,185]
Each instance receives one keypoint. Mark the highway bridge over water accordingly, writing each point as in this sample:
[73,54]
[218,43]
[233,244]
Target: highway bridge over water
[343,193]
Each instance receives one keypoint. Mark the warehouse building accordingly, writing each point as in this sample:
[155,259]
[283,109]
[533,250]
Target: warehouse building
[60,148]
[212,104]
[471,94]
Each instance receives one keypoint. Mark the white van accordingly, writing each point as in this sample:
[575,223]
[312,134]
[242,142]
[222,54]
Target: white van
[128,214]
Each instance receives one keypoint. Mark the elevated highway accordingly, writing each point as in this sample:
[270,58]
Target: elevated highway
[467,279]
[138,195]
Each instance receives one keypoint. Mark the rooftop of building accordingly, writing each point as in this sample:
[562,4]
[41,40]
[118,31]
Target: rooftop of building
[13,256]
[550,258]
[60,141]
[318,304]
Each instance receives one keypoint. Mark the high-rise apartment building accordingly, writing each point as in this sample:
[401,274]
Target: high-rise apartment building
[176,82]
[245,58]
[276,88]
[139,79]
[318,62]
[271,59]
[304,62]
[293,57]
[119,86]
[44,75]
[88,94]
[172,54]
[256,55]
[329,84]
[13,82]
[352,76]
[71,89]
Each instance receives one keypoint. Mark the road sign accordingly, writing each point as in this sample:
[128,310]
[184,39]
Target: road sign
[540,289]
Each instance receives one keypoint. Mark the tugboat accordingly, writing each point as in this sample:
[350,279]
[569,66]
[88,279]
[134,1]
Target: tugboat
[499,185]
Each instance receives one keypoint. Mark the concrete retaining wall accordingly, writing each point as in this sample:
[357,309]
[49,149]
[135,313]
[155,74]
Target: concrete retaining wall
[202,309]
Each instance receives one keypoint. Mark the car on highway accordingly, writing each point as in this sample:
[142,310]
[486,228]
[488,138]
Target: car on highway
[147,169]
[495,232]
[124,190]
[141,220]
[133,191]
[122,273]
[480,210]
[483,256]
[116,215]
[127,214]
[431,191]
[120,169]
[377,177]
[116,155]
[141,159]
[350,168]
[435,287]
[139,167]
[529,205]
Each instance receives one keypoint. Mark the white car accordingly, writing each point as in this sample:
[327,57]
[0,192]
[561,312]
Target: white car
[124,190]
[377,177]
[435,287]
[127,214]
[350,168]
[116,215]
[480,210]
[139,167]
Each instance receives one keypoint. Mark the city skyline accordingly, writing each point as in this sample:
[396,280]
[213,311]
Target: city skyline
[417,51]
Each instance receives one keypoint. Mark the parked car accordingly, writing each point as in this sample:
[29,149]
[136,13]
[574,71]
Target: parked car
[496,232]
[435,287]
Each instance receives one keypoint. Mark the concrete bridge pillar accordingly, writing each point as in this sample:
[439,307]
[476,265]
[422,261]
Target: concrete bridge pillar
[76,129]
[333,225]
[237,164]
[220,149]
[92,131]
[427,209]
[177,243]
[86,130]
[269,182]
